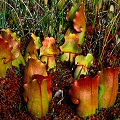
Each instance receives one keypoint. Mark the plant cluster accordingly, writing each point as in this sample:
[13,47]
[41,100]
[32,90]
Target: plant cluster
[89,46]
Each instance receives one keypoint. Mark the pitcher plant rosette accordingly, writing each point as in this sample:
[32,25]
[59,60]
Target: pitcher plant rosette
[65,64]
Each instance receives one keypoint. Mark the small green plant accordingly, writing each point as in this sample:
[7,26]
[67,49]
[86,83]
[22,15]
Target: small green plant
[70,48]
[48,52]
[82,63]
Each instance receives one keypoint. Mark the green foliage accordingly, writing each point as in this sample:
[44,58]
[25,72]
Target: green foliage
[83,63]
[32,15]
[48,18]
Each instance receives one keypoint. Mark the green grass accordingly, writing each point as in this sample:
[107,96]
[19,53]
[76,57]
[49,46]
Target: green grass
[49,19]
[22,15]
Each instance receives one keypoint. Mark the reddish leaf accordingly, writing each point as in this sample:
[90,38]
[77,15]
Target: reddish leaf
[84,92]
[71,14]
[14,41]
[5,50]
[8,36]
[38,92]
[47,52]
[33,46]
[80,24]
[80,20]
[108,87]
[34,67]
[48,47]
[40,79]
[5,56]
